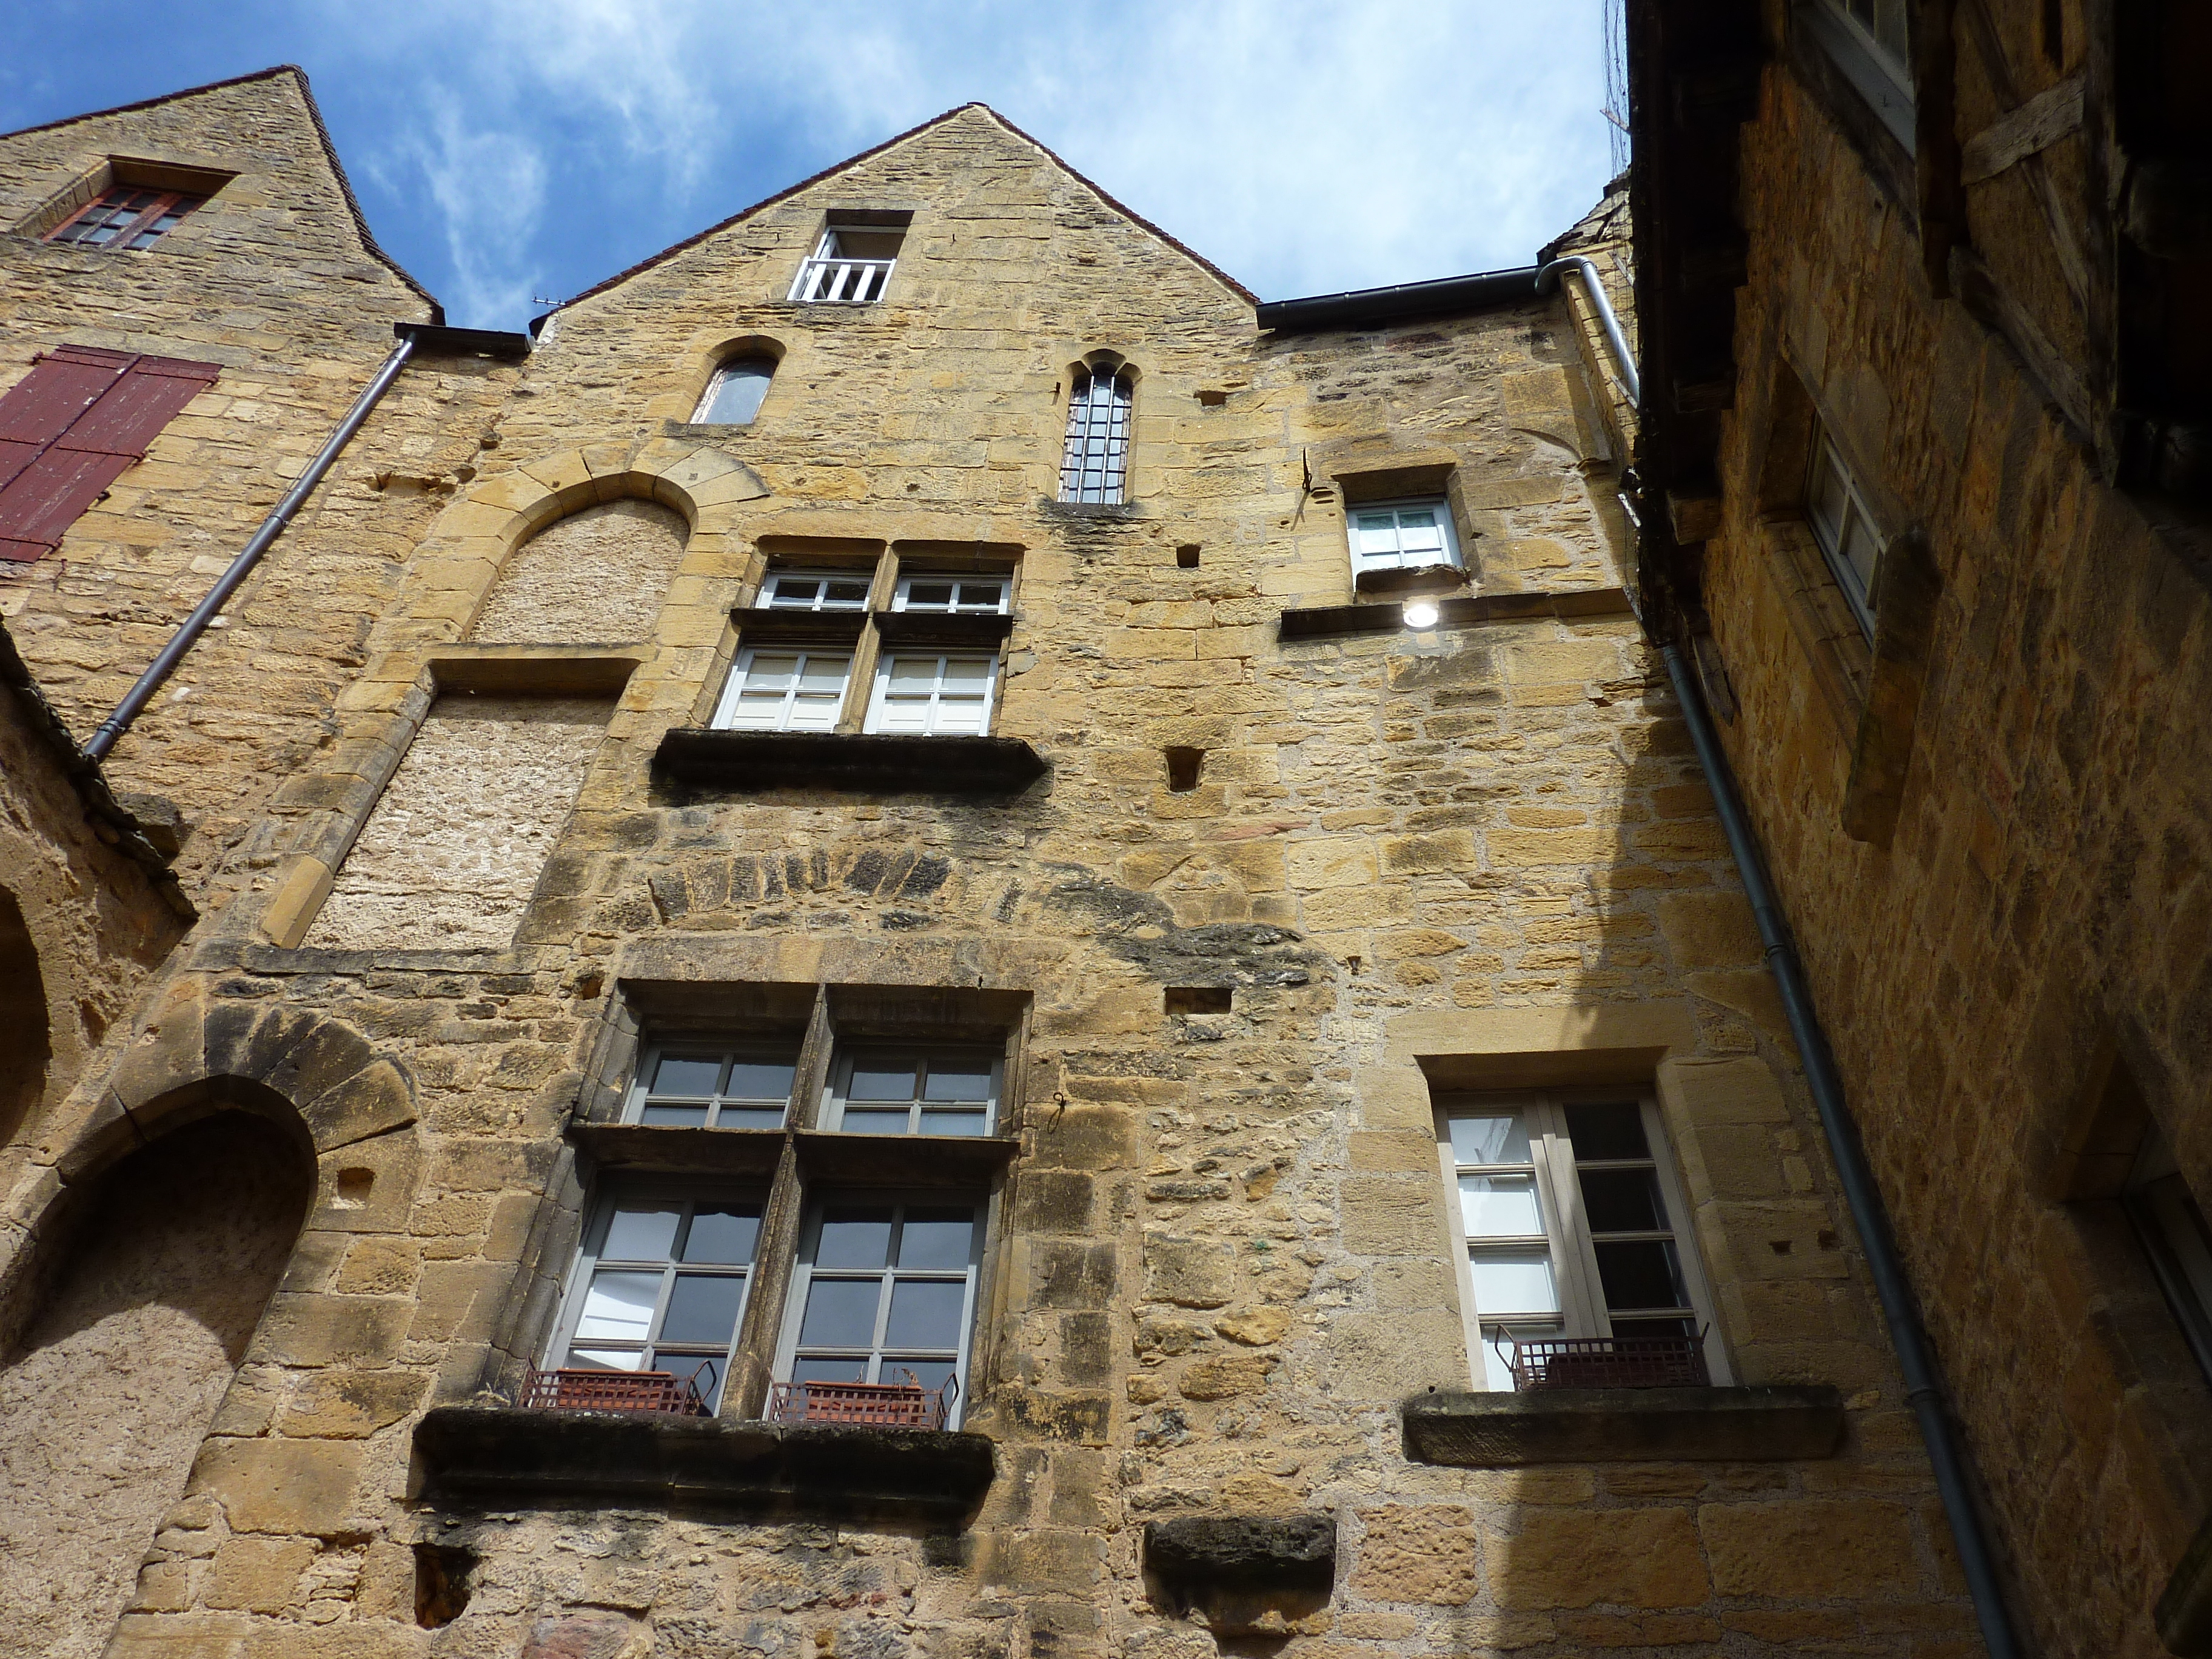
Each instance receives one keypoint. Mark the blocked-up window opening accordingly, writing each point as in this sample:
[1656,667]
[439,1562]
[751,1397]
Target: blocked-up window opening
[451,854]
[108,1402]
[72,427]
[597,577]
[1094,466]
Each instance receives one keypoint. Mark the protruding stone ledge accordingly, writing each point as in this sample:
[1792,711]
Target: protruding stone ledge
[1623,1426]
[1268,1573]
[870,763]
[1321,621]
[500,1456]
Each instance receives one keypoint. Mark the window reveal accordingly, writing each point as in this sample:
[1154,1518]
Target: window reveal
[1094,465]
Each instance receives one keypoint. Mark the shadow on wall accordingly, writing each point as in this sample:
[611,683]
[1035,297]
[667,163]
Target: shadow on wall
[173,1257]
[26,1041]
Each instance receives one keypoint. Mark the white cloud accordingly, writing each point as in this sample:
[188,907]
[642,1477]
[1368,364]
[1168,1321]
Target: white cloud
[1303,147]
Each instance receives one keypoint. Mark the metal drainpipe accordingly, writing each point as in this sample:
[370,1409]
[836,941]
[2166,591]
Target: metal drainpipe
[162,666]
[1547,278]
[1923,1382]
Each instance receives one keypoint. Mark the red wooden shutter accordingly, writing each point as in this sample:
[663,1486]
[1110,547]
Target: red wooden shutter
[72,427]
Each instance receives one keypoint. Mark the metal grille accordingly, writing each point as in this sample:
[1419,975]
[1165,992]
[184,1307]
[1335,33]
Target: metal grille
[1097,455]
[1608,1362]
[613,1391]
[903,1405]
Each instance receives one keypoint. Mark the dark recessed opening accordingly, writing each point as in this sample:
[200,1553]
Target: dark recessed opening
[1183,765]
[354,1186]
[441,1583]
[1187,555]
[1198,999]
[1213,397]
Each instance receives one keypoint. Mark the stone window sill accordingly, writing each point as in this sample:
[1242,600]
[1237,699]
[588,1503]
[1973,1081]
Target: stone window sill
[503,1455]
[1623,1426]
[1387,616]
[869,764]
[663,1148]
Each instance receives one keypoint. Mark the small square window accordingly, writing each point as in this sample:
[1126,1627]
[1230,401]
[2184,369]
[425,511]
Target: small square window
[714,1085]
[124,216]
[932,694]
[905,1091]
[974,596]
[792,689]
[851,264]
[815,590]
[1409,535]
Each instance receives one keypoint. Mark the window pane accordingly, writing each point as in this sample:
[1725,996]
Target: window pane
[855,1238]
[679,1076]
[830,1370]
[801,591]
[1827,499]
[1607,1131]
[1623,1201]
[1634,1328]
[1641,1275]
[760,1079]
[736,395]
[958,1080]
[936,1238]
[847,592]
[1500,1207]
[1861,553]
[929,596]
[925,1314]
[874,1121]
[952,1123]
[703,1308]
[1489,1140]
[642,1234]
[841,1313]
[981,596]
[913,676]
[1513,1282]
[619,1305]
[929,1373]
[876,1079]
[750,1117]
[605,1359]
[824,674]
[723,1233]
[681,1116]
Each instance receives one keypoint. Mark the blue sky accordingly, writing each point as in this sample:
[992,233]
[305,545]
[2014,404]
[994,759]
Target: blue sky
[509,150]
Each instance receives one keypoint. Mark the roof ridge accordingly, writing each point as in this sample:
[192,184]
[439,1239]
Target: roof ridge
[322,133]
[766,202]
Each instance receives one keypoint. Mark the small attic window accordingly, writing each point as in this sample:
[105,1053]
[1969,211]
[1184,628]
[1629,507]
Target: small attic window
[124,204]
[852,264]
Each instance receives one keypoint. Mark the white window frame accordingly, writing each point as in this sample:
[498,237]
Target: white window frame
[830,278]
[920,1056]
[902,599]
[722,372]
[1567,1235]
[1363,561]
[590,1257]
[1862,593]
[725,709]
[1882,73]
[804,1270]
[765,599]
[893,654]
[723,1054]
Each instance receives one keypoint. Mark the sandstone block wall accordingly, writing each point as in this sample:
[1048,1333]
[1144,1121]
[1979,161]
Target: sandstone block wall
[1220,1253]
[2030,932]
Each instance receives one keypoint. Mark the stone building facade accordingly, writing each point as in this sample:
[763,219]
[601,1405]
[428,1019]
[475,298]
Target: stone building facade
[1959,263]
[981,834]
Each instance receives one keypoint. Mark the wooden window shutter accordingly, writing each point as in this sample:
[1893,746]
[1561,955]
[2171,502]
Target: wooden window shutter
[72,427]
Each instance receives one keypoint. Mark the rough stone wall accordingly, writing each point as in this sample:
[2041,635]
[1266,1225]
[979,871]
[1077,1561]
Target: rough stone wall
[454,847]
[1222,1256]
[103,1406]
[2039,912]
[597,577]
[271,281]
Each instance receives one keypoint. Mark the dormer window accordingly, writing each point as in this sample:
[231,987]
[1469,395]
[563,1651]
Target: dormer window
[851,264]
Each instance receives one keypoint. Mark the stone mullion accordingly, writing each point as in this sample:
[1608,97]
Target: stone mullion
[745,1395]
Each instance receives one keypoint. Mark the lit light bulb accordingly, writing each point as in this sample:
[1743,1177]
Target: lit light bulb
[1420,612]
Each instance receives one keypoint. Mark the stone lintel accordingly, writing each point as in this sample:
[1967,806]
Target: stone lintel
[1623,1426]
[500,1456]
[1246,1552]
[869,764]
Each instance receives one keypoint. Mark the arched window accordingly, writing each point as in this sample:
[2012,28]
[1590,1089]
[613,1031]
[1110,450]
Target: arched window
[1096,463]
[733,396]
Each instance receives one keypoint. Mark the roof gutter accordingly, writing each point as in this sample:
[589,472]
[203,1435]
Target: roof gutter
[1381,305]
[430,337]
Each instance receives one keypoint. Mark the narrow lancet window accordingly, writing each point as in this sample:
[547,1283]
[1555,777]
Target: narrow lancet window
[1095,464]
